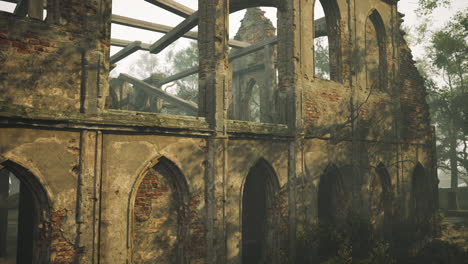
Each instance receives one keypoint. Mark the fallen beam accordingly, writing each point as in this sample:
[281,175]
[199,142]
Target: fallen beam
[141,24]
[183,104]
[123,53]
[173,6]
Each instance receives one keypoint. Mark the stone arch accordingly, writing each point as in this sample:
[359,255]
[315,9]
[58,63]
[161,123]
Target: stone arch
[422,203]
[260,214]
[333,26]
[159,226]
[381,197]
[376,51]
[33,207]
[332,196]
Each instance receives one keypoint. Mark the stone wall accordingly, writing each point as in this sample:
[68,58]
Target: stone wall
[123,186]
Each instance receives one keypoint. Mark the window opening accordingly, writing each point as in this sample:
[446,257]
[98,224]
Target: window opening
[151,72]
[27,8]
[327,48]
[321,47]
[376,62]
[254,65]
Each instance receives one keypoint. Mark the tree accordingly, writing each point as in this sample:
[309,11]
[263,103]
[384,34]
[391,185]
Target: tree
[322,60]
[427,6]
[448,94]
[187,87]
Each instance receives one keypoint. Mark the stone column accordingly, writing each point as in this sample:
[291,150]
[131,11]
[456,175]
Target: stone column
[214,78]
[295,66]
[88,197]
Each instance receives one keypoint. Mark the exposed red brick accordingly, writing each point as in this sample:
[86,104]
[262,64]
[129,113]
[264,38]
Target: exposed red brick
[63,250]
[44,43]
[20,45]
[23,51]
[3,35]
[33,41]
[5,42]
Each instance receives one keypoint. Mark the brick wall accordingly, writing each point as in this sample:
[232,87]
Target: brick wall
[62,250]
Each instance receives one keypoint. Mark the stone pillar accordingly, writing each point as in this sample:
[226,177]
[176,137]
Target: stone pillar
[88,197]
[295,67]
[214,94]
[267,94]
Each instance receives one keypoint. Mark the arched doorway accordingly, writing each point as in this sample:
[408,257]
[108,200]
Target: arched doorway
[422,200]
[160,222]
[333,198]
[23,207]
[381,196]
[259,215]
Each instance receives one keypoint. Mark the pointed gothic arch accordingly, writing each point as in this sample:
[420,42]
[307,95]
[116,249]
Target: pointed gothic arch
[422,203]
[332,13]
[260,214]
[332,196]
[381,197]
[158,215]
[376,52]
[26,230]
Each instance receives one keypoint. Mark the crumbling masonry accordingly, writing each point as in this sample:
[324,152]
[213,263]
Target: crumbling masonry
[99,184]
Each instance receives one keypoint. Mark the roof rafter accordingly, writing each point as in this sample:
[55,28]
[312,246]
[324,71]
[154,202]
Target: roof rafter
[173,6]
[141,24]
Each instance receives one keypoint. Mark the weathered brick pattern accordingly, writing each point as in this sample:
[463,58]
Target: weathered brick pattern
[197,233]
[156,218]
[414,109]
[62,250]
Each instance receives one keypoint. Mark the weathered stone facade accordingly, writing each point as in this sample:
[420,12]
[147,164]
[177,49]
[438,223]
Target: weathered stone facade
[114,186]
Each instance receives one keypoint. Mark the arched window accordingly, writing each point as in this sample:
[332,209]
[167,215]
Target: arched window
[327,34]
[254,67]
[376,53]
[160,222]
[259,214]
[23,208]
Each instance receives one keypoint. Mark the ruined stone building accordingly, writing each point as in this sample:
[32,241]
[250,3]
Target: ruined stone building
[96,169]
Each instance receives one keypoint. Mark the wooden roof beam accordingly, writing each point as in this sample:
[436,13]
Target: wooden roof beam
[173,35]
[131,22]
[123,43]
[126,51]
[173,6]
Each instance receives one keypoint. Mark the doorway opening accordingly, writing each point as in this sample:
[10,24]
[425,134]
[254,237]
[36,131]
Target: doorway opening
[259,215]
